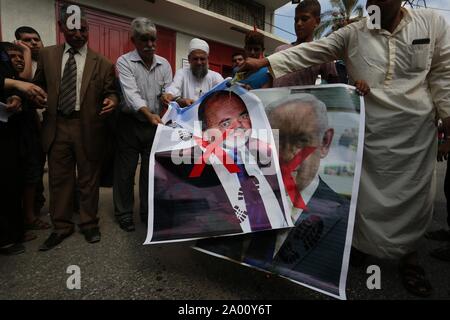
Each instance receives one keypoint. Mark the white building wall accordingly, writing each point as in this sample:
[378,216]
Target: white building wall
[182,48]
[146,9]
[194,2]
[269,19]
[41,15]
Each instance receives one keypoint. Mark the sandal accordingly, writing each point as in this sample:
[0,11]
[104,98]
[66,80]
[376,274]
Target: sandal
[414,280]
[37,224]
[441,253]
[28,236]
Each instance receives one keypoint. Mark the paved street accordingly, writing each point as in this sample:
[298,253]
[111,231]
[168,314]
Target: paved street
[120,267]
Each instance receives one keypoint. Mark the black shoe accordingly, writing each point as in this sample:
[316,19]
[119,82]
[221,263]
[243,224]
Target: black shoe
[414,280]
[92,235]
[53,240]
[127,225]
[16,248]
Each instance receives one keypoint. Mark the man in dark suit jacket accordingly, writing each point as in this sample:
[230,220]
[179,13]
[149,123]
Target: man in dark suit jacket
[311,252]
[82,94]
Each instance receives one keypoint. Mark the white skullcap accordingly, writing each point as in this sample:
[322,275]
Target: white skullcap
[198,44]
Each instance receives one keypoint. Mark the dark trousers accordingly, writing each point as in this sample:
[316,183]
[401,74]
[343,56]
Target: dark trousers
[134,139]
[66,154]
[11,184]
[447,191]
[39,198]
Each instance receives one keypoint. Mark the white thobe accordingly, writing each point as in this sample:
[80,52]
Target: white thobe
[186,86]
[409,83]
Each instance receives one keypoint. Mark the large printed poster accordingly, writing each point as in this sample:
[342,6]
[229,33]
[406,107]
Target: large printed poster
[320,131]
[214,170]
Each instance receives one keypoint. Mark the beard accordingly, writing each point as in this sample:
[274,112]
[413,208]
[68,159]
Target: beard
[199,71]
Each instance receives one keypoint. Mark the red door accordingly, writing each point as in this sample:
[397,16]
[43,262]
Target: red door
[215,67]
[109,35]
[220,57]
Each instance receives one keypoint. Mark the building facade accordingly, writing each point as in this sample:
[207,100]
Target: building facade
[222,23]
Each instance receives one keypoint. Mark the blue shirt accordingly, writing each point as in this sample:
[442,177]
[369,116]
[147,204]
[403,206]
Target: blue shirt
[258,79]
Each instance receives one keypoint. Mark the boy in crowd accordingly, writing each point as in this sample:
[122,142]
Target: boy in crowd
[307,19]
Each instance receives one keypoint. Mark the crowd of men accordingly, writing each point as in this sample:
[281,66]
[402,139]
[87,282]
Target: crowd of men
[62,98]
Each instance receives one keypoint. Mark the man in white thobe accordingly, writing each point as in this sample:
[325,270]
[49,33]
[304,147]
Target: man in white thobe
[191,83]
[406,63]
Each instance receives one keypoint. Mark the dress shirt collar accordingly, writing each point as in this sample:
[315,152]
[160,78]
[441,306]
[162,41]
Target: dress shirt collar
[135,57]
[82,51]
[307,194]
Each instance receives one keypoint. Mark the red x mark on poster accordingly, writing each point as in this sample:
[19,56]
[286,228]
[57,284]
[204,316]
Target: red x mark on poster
[213,148]
[289,182]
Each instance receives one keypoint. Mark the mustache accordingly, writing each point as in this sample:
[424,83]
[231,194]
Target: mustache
[241,129]
[199,71]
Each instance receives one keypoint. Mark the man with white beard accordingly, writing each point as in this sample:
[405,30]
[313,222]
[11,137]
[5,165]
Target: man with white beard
[191,83]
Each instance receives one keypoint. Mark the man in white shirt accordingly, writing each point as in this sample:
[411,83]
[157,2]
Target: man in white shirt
[143,78]
[405,62]
[191,83]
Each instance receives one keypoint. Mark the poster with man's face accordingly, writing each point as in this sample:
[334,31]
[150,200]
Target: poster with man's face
[214,170]
[320,131]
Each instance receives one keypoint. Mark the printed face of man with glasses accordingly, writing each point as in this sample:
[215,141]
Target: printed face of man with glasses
[222,112]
